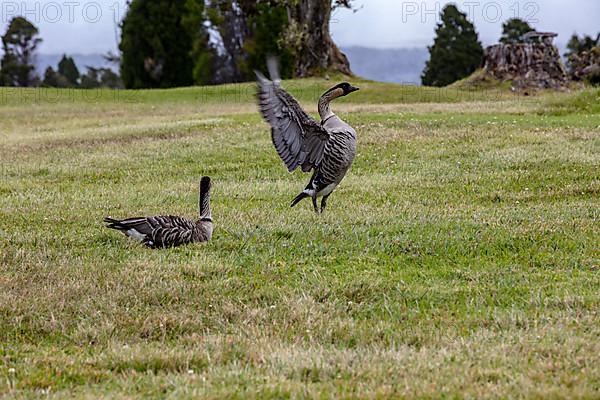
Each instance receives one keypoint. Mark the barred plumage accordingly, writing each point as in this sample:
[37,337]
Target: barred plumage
[170,230]
[327,148]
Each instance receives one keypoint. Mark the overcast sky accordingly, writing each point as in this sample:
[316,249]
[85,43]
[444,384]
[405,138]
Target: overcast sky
[396,23]
[72,26]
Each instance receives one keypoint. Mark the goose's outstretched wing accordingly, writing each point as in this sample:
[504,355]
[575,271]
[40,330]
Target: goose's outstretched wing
[156,232]
[298,139]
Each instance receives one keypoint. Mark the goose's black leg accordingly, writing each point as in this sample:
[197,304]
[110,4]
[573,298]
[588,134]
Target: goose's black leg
[324,203]
[314,200]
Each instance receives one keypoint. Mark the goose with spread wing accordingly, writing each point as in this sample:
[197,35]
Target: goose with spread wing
[327,148]
[170,230]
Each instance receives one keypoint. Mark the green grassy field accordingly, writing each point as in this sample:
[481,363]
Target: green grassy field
[460,257]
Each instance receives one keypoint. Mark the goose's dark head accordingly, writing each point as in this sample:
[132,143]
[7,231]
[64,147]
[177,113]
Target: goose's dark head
[342,89]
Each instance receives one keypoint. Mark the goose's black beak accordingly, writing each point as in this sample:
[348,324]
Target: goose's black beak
[354,89]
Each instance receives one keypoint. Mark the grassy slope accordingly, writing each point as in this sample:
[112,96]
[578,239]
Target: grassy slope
[459,256]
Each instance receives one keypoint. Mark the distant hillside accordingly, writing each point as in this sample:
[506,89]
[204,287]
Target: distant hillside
[385,65]
[82,61]
[388,65]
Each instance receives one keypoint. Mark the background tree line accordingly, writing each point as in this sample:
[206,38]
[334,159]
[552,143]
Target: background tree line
[456,52]
[167,43]
[182,42]
[17,67]
[67,75]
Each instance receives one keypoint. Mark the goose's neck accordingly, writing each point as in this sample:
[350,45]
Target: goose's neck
[205,209]
[325,103]
[204,205]
[325,108]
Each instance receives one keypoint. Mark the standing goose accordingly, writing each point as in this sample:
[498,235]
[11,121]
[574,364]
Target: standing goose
[170,230]
[327,148]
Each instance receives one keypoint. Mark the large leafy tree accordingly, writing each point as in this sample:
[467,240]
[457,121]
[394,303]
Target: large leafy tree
[513,30]
[300,35]
[68,69]
[583,58]
[200,54]
[19,44]
[268,25]
[155,45]
[310,39]
[456,52]
[50,78]
[54,79]
[577,45]
[178,42]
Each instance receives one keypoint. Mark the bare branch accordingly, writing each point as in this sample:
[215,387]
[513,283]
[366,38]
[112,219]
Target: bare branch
[342,4]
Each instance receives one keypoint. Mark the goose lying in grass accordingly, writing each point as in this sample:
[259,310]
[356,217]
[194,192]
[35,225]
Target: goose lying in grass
[170,230]
[328,148]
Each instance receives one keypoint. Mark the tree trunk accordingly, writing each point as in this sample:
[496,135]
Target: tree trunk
[307,36]
[309,30]
[227,40]
[527,65]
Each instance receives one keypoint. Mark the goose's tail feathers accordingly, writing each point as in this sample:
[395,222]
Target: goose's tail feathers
[113,223]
